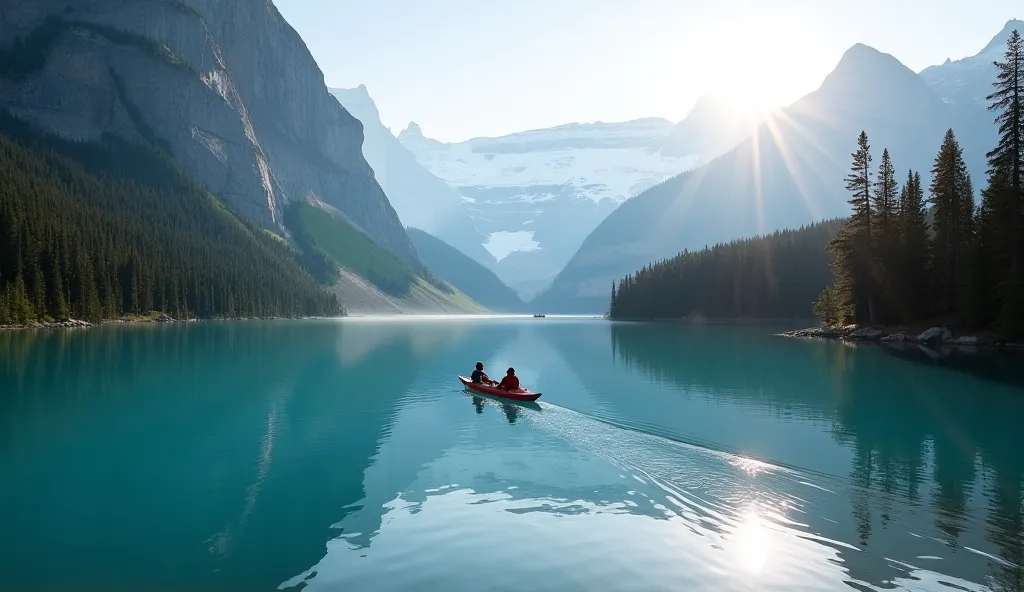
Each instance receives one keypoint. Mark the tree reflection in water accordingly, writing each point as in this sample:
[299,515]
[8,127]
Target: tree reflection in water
[925,434]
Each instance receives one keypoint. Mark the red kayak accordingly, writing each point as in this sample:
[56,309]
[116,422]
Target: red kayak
[516,395]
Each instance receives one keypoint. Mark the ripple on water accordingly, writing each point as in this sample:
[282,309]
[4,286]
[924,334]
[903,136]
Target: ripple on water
[685,517]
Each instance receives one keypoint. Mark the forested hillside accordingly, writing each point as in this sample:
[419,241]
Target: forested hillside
[465,273]
[329,242]
[787,173]
[767,277]
[891,268]
[94,231]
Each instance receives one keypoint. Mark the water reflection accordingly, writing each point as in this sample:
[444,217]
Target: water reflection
[344,452]
[232,432]
[511,412]
[986,364]
[936,447]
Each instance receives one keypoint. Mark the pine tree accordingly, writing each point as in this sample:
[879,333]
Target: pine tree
[21,306]
[885,239]
[914,249]
[885,198]
[6,315]
[59,304]
[1003,198]
[92,230]
[38,292]
[952,196]
[611,305]
[853,263]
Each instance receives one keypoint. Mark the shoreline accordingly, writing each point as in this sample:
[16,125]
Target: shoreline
[936,336]
[162,319]
[714,321]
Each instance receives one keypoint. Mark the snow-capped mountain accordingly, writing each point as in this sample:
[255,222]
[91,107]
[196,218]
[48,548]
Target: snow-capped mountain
[420,199]
[964,85]
[536,195]
[968,81]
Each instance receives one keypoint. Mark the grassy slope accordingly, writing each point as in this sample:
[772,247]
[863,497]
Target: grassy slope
[356,252]
[458,269]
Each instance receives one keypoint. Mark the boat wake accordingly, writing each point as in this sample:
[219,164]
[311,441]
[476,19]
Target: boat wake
[755,510]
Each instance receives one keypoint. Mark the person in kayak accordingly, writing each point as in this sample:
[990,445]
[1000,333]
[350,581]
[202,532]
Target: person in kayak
[510,382]
[479,377]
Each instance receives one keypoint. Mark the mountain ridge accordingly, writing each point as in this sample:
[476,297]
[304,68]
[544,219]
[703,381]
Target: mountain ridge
[234,97]
[536,194]
[788,173]
[468,276]
[420,198]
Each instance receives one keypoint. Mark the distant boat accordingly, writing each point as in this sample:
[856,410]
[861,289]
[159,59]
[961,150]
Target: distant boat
[538,316]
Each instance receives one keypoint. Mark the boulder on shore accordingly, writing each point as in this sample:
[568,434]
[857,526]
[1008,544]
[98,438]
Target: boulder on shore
[963,340]
[865,333]
[935,334]
[825,332]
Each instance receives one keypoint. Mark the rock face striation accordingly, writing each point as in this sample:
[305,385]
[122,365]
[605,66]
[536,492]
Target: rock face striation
[226,87]
[421,199]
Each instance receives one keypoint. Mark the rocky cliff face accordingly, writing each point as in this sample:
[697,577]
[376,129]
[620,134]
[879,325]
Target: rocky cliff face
[421,199]
[226,86]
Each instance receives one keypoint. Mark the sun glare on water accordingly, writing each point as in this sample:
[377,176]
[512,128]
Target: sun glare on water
[752,544]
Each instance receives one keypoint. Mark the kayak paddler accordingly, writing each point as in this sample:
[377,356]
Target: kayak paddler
[511,381]
[479,377]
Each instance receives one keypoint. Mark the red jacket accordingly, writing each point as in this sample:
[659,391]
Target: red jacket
[509,383]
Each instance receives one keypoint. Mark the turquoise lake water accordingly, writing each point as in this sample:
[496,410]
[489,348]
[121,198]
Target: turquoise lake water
[344,455]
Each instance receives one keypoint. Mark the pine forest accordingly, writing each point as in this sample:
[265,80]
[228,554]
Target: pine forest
[99,231]
[906,254]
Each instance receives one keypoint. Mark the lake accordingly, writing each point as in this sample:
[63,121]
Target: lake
[344,455]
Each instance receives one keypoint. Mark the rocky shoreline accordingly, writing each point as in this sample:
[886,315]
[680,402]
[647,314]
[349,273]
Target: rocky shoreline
[934,336]
[80,324]
[162,319]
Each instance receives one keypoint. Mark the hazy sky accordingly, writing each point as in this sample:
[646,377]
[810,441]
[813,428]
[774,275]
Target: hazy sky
[465,68]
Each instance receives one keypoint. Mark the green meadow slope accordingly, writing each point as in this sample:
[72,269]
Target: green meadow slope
[371,278]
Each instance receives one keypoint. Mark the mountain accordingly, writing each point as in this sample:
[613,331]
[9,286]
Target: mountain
[536,195]
[110,230]
[225,87]
[713,127]
[421,199]
[228,91]
[964,85]
[788,173]
[371,279]
[471,278]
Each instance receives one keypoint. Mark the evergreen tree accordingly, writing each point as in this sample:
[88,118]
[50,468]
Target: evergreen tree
[830,307]
[914,249]
[853,256]
[886,234]
[952,196]
[58,301]
[611,305]
[885,200]
[96,230]
[1003,198]
[767,277]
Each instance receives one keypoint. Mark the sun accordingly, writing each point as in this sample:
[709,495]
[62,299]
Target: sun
[757,66]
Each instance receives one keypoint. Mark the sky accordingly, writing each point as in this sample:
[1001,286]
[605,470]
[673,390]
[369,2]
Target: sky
[472,68]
